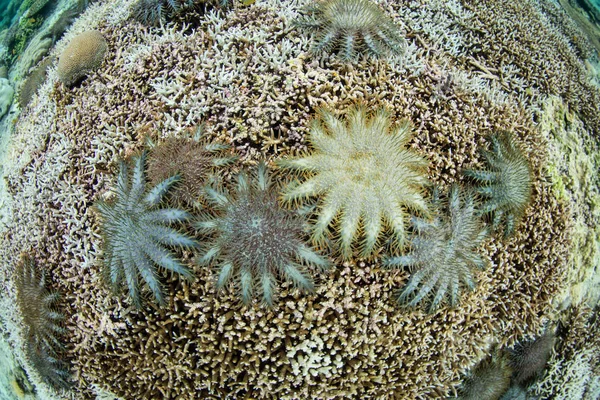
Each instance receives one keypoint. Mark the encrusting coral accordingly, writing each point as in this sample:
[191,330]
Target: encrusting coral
[353,26]
[365,175]
[506,183]
[256,240]
[444,251]
[135,231]
[43,323]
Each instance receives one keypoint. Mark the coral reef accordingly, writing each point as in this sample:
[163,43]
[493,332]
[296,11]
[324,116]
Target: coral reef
[353,26]
[573,164]
[443,252]
[42,321]
[256,240]
[542,57]
[506,183]
[248,74]
[135,231]
[366,175]
[83,55]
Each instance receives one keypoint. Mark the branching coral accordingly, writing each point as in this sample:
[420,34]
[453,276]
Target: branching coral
[135,231]
[256,239]
[506,183]
[366,176]
[443,252]
[42,321]
[353,26]
[193,160]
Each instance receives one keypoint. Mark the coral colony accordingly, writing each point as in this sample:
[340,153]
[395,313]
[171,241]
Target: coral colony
[328,231]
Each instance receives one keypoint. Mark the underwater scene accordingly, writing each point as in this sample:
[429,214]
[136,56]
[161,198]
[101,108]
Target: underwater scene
[300,199]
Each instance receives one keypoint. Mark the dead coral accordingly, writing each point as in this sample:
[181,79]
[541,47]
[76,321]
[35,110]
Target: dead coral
[574,366]
[507,33]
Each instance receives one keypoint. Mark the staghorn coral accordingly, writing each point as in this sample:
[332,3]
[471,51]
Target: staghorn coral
[443,252]
[488,380]
[353,26]
[256,240]
[193,160]
[506,183]
[84,54]
[135,231]
[42,321]
[366,176]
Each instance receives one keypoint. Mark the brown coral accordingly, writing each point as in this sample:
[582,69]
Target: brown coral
[83,54]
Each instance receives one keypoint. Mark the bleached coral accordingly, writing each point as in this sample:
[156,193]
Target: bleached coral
[312,359]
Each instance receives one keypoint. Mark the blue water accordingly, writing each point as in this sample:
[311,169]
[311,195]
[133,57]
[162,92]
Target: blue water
[8,10]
